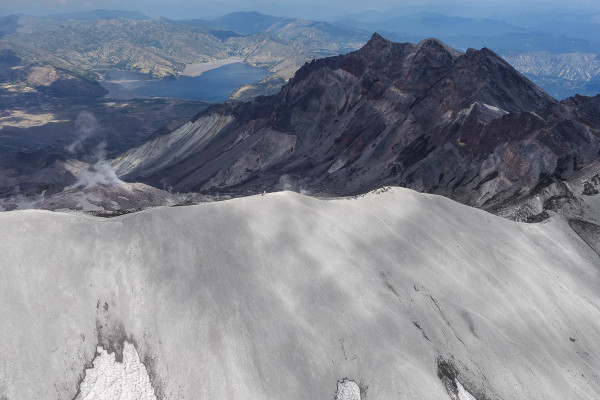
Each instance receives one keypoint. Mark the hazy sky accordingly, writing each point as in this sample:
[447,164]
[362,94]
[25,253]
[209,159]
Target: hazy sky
[313,9]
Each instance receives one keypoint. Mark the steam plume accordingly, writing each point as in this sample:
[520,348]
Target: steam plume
[86,126]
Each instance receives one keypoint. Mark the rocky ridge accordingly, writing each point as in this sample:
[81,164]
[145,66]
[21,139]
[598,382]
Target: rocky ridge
[425,116]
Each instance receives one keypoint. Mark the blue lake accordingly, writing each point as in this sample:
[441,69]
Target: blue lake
[213,86]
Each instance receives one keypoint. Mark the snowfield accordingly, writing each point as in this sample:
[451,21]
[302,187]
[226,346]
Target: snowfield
[109,379]
[284,296]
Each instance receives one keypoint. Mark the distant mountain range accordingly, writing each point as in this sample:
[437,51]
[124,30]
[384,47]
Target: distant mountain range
[560,75]
[464,125]
[99,14]
[82,42]
[102,40]
[436,25]
[163,47]
[248,23]
[9,25]
[445,22]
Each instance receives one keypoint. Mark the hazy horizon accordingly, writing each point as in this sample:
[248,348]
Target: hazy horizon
[310,9]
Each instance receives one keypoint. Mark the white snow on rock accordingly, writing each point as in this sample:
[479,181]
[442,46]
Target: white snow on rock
[462,393]
[112,380]
[494,108]
[496,111]
[347,390]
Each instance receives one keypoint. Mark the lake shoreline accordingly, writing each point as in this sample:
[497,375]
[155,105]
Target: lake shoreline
[197,69]
[213,86]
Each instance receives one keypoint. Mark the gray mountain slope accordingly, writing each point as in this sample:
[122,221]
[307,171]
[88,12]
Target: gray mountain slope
[281,296]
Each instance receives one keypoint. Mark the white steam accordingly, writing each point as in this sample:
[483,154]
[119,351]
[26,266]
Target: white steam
[20,201]
[86,125]
[287,183]
[100,173]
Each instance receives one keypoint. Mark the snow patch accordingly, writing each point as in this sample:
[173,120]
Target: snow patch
[349,390]
[111,380]
[467,111]
[337,164]
[494,108]
[462,393]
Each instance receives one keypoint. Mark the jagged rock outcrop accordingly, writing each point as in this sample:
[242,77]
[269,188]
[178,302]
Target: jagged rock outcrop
[424,116]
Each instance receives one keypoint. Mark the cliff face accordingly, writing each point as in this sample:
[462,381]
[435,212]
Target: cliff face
[424,116]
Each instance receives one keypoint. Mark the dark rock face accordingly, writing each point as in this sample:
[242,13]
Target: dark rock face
[33,172]
[425,116]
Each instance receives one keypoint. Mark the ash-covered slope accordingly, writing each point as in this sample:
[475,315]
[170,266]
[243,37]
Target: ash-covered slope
[424,116]
[282,296]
